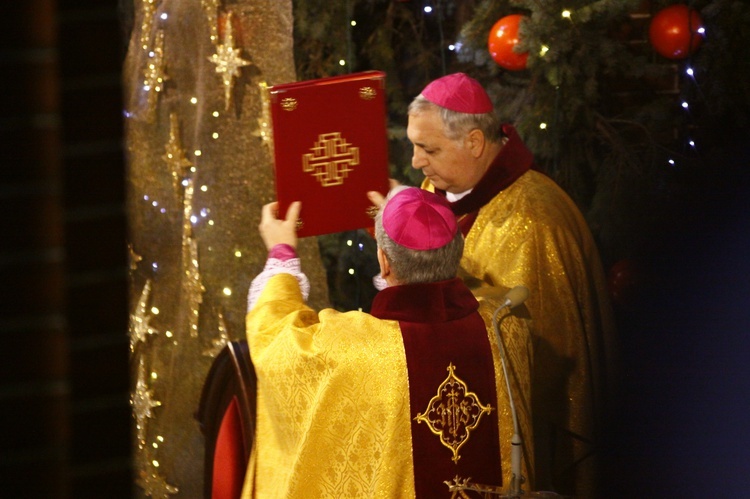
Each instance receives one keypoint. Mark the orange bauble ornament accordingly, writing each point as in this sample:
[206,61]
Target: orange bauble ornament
[676,32]
[503,38]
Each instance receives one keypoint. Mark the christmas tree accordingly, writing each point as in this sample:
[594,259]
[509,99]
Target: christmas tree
[639,139]
[630,134]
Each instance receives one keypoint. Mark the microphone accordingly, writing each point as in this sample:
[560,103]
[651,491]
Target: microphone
[515,297]
[512,298]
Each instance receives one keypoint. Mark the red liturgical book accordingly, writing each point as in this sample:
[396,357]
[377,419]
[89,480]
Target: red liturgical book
[330,148]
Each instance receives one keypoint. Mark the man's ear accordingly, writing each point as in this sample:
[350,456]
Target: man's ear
[385,267]
[475,142]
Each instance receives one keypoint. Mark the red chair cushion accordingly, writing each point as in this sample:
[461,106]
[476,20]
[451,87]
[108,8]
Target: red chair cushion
[229,456]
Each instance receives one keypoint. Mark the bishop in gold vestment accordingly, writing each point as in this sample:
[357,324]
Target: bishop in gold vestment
[404,402]
[532,234]
[523,229]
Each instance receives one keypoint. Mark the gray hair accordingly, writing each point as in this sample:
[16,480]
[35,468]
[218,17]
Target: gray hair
[456,124]
[418,266]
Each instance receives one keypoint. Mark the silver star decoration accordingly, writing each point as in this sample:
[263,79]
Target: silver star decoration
[228,61]
[140,318]
[174,155]
[152,482]
[217,344]
[142,400]
[192,284]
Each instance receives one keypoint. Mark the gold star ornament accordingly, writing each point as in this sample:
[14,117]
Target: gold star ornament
[228,61]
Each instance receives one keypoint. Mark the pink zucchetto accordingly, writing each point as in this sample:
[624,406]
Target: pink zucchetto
[458,92]
[418,219]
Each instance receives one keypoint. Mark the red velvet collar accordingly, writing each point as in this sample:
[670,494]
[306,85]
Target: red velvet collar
[513,160]
[428,303]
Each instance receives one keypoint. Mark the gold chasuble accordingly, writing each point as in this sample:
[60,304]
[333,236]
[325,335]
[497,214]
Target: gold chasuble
[335,415]
[531,233]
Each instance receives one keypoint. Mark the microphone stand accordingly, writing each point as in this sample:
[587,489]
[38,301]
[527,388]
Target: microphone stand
[514,297]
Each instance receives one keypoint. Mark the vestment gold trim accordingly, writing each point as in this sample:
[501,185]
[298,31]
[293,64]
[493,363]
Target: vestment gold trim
[453,413]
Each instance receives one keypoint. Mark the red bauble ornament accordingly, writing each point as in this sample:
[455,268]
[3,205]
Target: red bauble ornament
[676,31]
[503,38]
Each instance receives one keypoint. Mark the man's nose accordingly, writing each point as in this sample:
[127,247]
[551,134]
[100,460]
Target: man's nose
[418,160]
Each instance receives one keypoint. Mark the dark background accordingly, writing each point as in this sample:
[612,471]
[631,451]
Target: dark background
[679,428]
[64,388]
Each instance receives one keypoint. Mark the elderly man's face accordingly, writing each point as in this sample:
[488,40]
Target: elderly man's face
[448,163]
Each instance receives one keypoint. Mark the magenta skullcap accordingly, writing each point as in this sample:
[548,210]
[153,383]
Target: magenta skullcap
[419,219]
[458,92]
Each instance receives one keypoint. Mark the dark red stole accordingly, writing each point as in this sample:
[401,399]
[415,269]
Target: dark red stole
[441,327]
[513,160]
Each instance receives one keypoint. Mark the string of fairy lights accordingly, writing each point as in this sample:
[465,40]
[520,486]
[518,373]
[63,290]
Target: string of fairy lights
[228,62]
[184,163]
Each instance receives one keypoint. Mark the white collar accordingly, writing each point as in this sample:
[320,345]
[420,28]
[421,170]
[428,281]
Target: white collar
[455,197]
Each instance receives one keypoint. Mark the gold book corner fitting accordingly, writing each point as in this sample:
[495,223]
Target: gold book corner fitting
[367,93]
[331,159]
[453,413]
[288,103]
